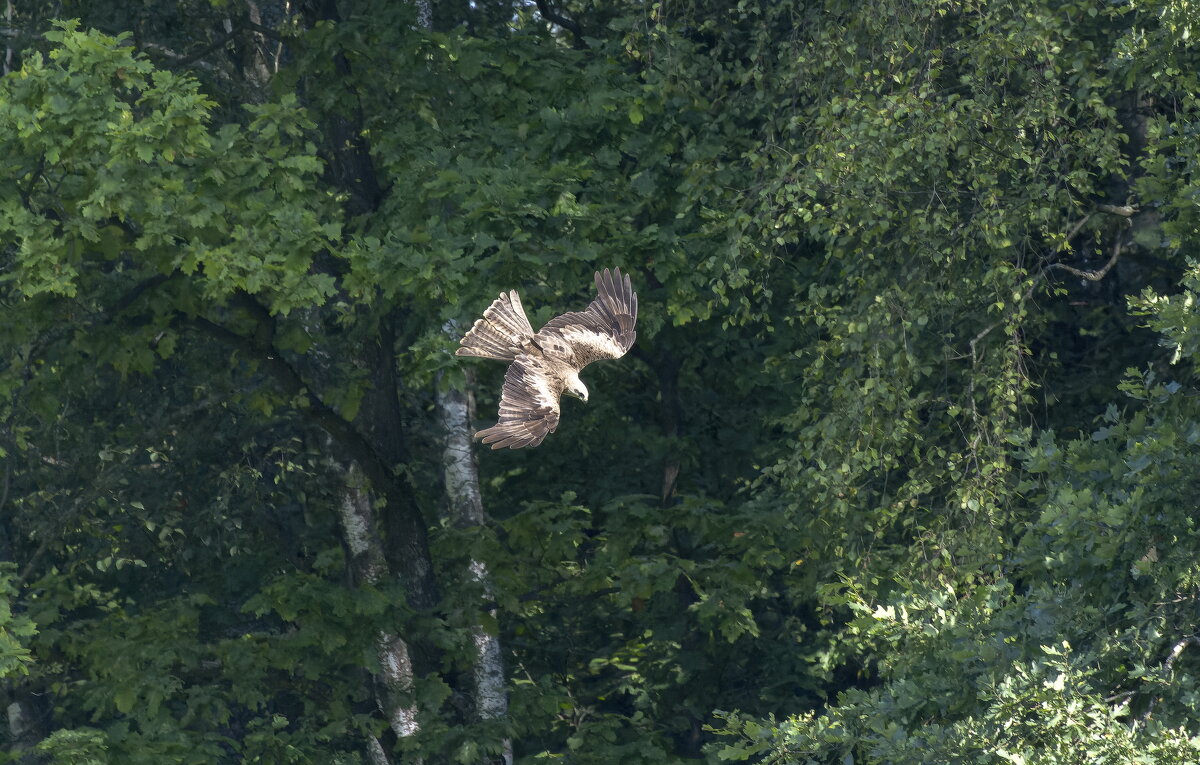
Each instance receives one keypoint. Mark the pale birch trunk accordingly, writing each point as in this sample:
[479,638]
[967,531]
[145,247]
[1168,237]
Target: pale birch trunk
[8,49]
[24,728]
[466,509]
[424,14]
[255,66]
[359,527]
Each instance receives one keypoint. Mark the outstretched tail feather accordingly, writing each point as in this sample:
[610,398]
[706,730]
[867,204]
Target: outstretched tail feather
[502,333]
[517,434]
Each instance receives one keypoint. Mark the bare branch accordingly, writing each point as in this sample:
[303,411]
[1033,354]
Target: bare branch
[1176,650]
[1125,211]
[554,17]
[197,59]
[267,32]
[1092,276]
[194,59]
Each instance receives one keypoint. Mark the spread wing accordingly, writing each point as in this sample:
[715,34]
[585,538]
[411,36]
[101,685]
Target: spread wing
[603,331]
[528,405]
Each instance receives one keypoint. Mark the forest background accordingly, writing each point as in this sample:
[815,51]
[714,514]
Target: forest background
[903,468]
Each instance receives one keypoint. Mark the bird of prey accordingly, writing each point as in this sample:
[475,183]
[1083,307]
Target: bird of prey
[545,365]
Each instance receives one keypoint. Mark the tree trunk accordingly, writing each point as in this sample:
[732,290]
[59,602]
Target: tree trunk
[254,62]
[424,13]
[368,566]
[26,728]
[8,48]
[461,472]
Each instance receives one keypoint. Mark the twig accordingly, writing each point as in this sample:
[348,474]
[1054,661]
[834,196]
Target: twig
[31,564]
[1077,226]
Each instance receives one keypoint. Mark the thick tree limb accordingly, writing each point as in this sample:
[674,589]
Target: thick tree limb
[1176,650]
[376,753]
[195,59]
[129,298]
[407,531]
[309,404]
[1125,211]
[554,17]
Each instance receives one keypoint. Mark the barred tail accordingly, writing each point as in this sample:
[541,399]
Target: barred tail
[502,333]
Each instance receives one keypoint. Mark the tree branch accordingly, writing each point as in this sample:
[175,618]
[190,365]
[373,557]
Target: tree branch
[554,17]
[267,32]
[1125,211]
[188,59]
[312,407]
[196,59]
[1075,229]
[1176,650]
[406,529]
[138,290]
[1092,276]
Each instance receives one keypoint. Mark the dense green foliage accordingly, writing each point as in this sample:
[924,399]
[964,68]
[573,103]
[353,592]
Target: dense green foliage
[903,468]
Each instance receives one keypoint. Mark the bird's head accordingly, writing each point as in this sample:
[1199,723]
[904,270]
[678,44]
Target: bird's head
[576,388]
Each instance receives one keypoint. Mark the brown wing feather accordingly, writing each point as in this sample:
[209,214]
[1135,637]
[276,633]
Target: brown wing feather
[502,333]
[605,330]
[528,405]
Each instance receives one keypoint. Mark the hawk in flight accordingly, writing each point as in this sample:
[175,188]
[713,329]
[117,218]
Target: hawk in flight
[545,365]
